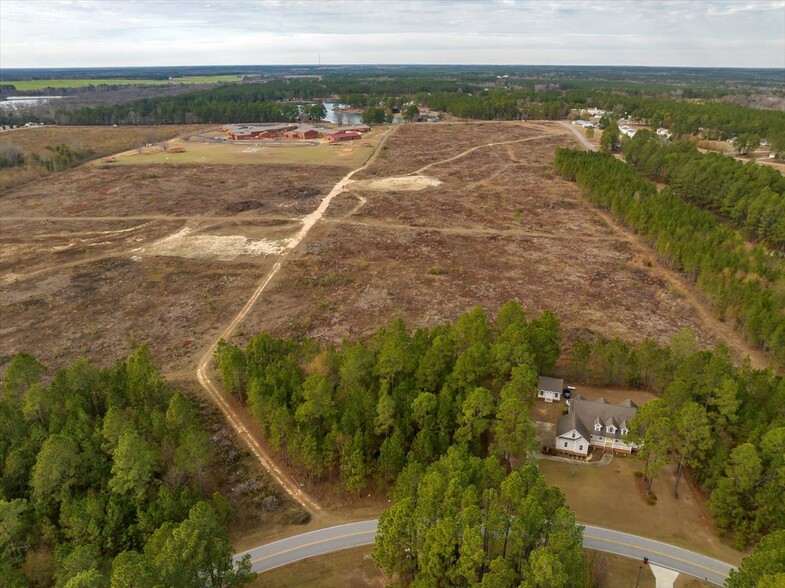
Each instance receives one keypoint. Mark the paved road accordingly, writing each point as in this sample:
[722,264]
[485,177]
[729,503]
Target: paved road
[578,134]
[662,554]
[323,541]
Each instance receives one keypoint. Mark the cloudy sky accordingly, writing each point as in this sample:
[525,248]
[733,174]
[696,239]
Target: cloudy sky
[100,33]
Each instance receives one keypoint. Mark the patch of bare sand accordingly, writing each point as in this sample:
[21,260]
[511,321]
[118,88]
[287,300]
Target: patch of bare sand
[399,183]
[222,247]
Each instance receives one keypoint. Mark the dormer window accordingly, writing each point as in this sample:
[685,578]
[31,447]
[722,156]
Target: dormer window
[598,427]
[611,429]
[624,431]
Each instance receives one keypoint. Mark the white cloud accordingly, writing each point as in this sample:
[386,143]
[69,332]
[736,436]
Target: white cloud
[46,33]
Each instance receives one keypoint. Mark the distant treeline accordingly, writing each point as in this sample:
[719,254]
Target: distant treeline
[469,94]
[745,284]
[750,196]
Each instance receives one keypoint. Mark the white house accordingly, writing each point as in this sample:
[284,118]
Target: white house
[597,424]
[550,389]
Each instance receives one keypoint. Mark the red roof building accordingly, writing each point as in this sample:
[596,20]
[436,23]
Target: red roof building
[343,136]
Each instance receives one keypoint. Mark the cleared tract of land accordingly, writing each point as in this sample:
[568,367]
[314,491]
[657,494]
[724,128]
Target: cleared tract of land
[487,222]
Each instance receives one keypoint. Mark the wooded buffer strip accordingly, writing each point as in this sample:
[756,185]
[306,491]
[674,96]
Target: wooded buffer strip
[105,471]
[750,196]
[747,286]
[463,522]
[727,424]
[361,411]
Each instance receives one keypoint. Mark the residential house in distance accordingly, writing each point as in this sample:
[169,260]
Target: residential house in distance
[595,424]
[550,389]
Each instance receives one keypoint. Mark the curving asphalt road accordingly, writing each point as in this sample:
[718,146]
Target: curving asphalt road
[324,541]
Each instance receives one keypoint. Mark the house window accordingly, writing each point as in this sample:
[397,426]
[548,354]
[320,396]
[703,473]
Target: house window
[598,427]
[565,444]
[573,434]
[580,447]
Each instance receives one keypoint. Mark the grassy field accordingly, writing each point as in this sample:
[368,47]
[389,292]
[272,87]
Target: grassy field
[29,85]
[351,154]
[101,140]
[682,521]
[343,569]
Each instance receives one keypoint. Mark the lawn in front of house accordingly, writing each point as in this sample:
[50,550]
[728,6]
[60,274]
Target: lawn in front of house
[608,497]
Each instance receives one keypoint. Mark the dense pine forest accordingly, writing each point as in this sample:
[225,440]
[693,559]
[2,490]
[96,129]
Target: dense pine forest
[364,413]
[751,197]
[744,284]
[103,472]
[359,412]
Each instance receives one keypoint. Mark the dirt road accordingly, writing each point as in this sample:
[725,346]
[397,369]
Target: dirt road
[230,409]
[721,330]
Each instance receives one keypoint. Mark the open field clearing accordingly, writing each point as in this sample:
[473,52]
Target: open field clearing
[349,154]
[180,191]
[96,261]
[100,140]
[489,226]
[28,85]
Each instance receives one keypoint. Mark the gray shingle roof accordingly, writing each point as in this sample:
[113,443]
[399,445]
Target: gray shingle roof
[584,414]
[551,384]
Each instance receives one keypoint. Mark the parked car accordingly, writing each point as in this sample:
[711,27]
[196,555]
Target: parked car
[567,392]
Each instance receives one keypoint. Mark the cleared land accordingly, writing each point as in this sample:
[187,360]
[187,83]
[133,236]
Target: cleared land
[28,85]
[95,261]
[498,226]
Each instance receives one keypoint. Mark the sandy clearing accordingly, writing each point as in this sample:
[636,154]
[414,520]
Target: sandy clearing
[399,183]
[222,247]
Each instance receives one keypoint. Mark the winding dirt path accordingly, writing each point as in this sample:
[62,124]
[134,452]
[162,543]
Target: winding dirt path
[233,413]
[475,148]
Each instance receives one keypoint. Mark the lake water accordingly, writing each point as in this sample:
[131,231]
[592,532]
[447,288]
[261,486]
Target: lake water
[14,102]
[347,118]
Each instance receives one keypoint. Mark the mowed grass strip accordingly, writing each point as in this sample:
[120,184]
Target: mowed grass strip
[350,154]
[29,85]
[343,569]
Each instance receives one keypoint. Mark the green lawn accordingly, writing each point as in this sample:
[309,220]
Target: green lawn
[26,85]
